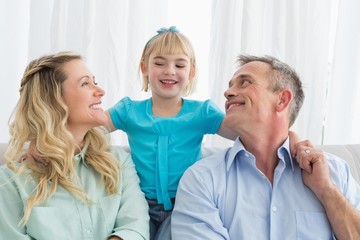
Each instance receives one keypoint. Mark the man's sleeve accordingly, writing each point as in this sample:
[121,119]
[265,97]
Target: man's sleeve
[195,215]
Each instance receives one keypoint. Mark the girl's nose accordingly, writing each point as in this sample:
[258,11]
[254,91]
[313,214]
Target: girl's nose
[170,70]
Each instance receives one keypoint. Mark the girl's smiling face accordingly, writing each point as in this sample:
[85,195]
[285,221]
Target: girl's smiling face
[168,75]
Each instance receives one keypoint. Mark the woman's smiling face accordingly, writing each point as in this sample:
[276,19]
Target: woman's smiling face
[82,97]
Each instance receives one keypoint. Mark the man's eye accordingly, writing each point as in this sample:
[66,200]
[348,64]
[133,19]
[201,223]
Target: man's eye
[95,83]
[245,82]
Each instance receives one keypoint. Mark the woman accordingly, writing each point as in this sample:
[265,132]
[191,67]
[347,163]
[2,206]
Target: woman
[83,192]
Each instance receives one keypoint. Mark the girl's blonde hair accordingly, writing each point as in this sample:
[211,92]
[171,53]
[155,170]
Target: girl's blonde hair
[41,117]
[170,41]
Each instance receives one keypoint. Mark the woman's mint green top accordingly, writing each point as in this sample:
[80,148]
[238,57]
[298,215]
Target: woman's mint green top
[163,148]
[64,217]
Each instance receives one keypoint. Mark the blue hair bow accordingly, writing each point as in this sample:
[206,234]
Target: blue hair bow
[170,29]
[162,30]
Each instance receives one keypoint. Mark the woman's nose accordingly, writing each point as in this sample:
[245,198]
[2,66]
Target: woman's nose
[99,91]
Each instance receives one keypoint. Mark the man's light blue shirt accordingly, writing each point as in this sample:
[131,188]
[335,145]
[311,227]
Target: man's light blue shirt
[163,148]
[63,216]
[225,196]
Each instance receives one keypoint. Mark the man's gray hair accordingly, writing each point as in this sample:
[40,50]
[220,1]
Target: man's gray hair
[283,76]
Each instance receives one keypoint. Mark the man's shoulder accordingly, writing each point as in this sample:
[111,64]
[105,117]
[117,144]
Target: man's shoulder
[336,164]
[211,164]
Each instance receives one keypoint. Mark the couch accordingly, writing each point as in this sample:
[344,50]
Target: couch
[350,153]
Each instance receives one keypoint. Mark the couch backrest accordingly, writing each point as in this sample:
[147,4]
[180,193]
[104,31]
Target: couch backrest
[350,153]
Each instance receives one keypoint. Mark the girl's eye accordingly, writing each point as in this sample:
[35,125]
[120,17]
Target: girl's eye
[159,64]
[180,66]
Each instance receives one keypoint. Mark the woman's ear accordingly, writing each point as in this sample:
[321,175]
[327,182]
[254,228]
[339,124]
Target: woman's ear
[284,100]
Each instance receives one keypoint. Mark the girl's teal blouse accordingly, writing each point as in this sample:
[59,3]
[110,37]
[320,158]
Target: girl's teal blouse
[163,148]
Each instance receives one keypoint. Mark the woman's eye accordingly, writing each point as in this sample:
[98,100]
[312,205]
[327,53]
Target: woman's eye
[95,83]
[85,84]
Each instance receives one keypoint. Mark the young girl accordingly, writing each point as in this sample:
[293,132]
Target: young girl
[165,132]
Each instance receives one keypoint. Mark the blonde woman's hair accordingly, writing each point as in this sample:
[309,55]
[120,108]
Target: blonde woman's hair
[41,117]
[169,41]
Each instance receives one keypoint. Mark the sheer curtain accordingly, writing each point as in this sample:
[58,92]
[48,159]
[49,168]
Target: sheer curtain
[110,34]
[343,110]
[318,38]
[315,38]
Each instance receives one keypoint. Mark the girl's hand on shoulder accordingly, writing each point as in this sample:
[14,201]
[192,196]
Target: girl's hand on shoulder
[295,142]
[33,156]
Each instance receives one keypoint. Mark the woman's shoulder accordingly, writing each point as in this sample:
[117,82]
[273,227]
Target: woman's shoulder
[8,177]
[5,171]
[122,153]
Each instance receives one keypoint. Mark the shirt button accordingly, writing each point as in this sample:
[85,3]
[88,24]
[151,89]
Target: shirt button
[274,209]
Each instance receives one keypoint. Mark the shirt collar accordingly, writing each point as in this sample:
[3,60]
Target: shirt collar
[284,154]
[80,157]
[238,148]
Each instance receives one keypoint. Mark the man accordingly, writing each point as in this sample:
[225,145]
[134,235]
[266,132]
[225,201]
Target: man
[256,190]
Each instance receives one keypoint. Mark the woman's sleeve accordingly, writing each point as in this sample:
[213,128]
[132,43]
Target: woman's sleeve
[11,207]
[133,218]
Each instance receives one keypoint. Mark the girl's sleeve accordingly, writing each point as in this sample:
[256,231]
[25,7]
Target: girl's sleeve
[213,117]
[132,221]
[119,113]
[11,207]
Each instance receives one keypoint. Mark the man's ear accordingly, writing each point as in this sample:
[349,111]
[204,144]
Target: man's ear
[284,100]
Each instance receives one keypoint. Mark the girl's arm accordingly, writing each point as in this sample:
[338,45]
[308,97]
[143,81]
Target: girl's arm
[295,140]
[32,155]
[109,124]
[226,132]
